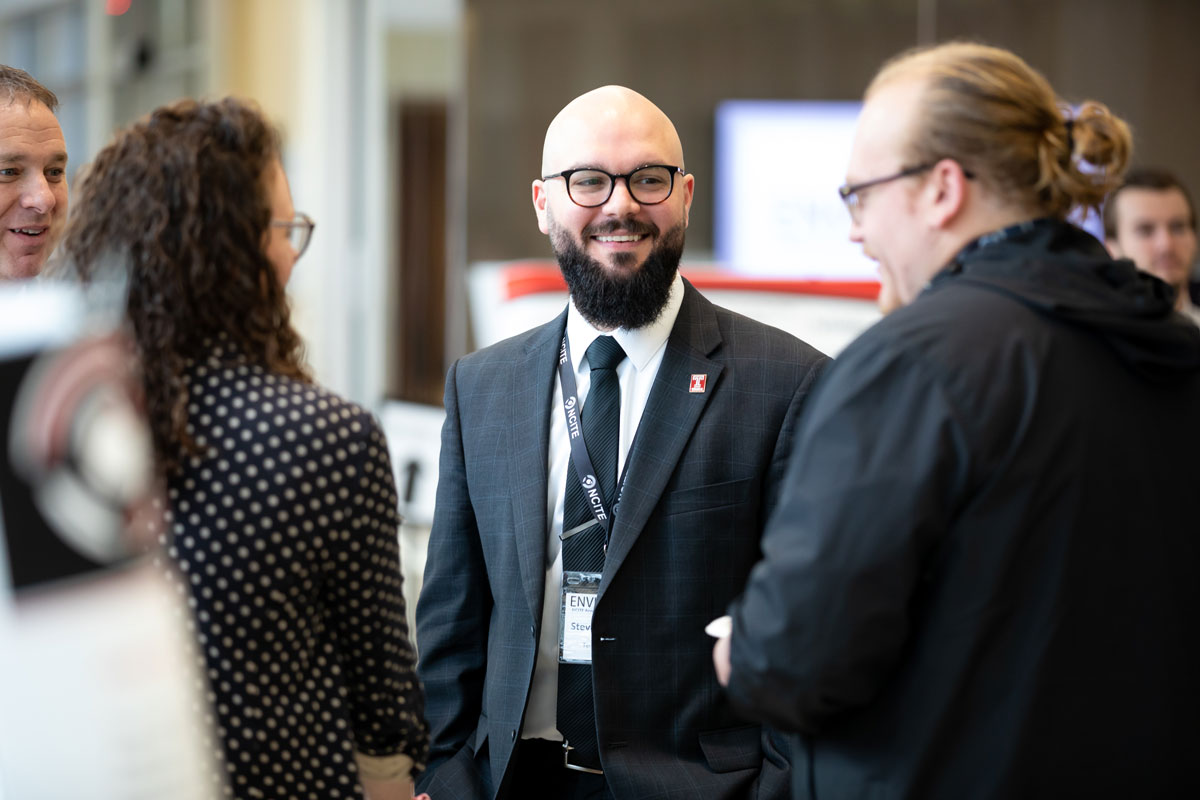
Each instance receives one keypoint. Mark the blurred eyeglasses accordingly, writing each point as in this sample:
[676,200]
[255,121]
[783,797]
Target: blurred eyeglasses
[299,231]
[591,187]
[851,192]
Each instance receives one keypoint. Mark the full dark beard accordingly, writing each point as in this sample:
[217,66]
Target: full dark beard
[630,299]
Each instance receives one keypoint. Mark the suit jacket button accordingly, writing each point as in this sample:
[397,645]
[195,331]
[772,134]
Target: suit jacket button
[514,735]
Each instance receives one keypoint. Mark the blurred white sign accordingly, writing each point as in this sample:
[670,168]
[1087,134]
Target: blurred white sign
[414,434]
[777,211]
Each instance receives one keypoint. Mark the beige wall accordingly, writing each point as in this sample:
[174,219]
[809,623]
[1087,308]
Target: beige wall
[317,70]
[256,47]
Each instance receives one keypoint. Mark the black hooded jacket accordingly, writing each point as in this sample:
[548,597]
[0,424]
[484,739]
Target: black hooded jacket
[982,578]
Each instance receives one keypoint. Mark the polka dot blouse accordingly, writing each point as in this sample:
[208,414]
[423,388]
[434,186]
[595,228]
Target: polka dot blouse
[285,537]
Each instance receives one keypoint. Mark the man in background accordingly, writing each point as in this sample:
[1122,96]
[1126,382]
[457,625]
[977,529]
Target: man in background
[1150,220]
[33,175]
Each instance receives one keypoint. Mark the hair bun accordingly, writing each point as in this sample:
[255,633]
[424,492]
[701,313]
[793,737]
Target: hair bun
[990,111]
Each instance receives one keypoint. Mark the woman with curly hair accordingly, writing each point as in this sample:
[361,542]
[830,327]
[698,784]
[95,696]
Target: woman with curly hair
[281,516]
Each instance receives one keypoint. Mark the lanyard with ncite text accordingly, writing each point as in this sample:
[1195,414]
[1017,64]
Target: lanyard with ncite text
[579,454]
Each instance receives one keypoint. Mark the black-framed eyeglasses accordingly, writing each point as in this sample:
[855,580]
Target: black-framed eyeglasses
[299,231]
[590,187]
[850,192]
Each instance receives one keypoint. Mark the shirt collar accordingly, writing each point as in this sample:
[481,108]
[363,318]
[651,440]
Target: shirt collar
[639,345]
[1188,307]
[1018,231]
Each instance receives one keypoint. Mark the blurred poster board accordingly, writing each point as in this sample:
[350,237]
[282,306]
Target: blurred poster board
[413,432]
[414,435]
[778,166]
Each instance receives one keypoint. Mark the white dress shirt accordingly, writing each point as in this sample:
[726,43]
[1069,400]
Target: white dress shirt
[644,349]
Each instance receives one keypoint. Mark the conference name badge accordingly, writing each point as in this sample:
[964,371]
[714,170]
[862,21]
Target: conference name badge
[579,592]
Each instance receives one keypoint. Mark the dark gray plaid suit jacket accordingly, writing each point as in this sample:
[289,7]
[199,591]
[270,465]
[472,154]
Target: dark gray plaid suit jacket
[702,478]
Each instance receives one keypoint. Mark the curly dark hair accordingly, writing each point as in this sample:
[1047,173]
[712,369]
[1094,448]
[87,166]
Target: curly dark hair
[179,200]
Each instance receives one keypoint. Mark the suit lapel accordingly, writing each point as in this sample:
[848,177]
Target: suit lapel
[532,395]
[671,414]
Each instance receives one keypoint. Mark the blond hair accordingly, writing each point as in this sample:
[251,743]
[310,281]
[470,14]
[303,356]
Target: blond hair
[1000,119]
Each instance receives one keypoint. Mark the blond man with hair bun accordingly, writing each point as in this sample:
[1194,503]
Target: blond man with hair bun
[978,582]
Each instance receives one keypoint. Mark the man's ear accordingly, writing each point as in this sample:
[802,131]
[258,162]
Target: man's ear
[689,189]
[539,205]
[946,193]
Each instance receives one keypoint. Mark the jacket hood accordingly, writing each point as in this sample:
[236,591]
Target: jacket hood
[1063,272]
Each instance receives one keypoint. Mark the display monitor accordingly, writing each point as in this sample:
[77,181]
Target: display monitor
[778,166]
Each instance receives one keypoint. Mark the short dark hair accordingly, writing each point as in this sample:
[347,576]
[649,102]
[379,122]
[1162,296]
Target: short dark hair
[17,84]
[1153,178]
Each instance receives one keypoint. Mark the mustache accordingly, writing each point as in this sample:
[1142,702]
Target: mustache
[630,225]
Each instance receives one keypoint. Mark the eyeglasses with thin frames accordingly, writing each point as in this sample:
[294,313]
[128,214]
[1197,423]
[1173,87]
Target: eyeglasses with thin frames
[590,187]
[299,231]
[850,193]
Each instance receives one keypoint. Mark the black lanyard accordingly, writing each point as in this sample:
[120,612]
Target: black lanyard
[579,454]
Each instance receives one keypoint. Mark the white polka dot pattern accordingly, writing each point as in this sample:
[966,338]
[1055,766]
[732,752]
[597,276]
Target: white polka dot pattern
[285,537]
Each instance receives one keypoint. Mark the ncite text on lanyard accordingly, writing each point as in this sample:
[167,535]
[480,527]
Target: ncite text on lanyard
[579,454]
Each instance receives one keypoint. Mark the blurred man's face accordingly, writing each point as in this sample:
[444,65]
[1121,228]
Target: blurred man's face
[1154,230]
[885,218]
[33,187]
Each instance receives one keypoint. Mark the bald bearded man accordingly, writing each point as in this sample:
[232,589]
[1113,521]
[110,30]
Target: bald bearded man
[547,676]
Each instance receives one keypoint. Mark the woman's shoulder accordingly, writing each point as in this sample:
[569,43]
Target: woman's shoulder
[270,400]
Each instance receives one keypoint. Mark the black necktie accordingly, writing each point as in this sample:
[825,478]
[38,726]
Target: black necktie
[584,551]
